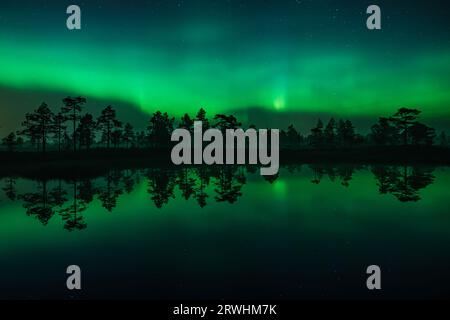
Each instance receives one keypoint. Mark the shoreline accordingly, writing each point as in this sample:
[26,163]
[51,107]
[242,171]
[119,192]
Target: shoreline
[98,161]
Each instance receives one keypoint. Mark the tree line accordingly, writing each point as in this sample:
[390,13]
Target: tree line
[70,129]
[402,128]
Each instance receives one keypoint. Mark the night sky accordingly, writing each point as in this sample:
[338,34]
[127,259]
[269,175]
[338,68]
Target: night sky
[271,62]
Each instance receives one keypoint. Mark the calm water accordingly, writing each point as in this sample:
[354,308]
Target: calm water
[228,233]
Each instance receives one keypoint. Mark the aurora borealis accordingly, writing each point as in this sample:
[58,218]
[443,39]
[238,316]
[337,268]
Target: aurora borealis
[284,57]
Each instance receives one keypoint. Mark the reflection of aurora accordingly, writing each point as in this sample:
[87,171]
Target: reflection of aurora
[70,198]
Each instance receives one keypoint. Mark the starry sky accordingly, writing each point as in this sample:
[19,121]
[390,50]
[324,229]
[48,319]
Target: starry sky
[269,62]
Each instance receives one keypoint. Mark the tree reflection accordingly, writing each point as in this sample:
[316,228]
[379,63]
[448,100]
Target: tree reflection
[110,190]
[228,184]
[10,189]
[40,203]
[201,183]
[71,215]
[72,197]
[403,182]
[186,183]
[161,184]
[59,194]
[343,172]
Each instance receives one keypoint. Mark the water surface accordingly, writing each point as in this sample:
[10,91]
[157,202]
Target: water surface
[227,232]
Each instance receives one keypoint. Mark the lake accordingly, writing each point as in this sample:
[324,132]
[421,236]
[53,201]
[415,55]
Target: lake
[211,233]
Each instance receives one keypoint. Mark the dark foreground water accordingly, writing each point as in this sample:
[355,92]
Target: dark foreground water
[228,233]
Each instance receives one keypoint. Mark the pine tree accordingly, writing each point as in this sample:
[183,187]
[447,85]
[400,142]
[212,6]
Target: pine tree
[293,137]
[72,107]
[128,135]
[443,141]
[404,119]
[422,134]
[201,116]
[86,131]
[107,122]
[59,128]
[316,137]
[160,129]
[383,132]
[116,136]
[10,141]
[330,132]
[186,123]
[345,132]
[38,125]
[224,122]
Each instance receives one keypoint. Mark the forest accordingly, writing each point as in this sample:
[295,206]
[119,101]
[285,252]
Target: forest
[72,130]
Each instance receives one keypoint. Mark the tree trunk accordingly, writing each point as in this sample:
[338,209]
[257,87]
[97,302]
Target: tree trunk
[44,140]
[74,130]
[108,135]
[405,135]
[59,138]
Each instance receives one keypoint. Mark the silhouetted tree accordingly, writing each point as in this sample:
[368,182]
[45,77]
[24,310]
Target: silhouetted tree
[67,141]
[422,134]
[141,139]
[107,122]
[284,142]
[443,141]
[403,119]
[383,132]
[38,125]
[186,123]
[160,129]
[86,131]
[128,135]
[10,142]
[223,122]
[201,116]
[346,132]
[293,137]
[59,128]
[116,136]
[330,132]
[359,139]
[316,137]
[72,107]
